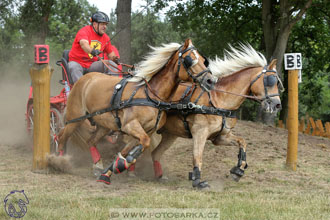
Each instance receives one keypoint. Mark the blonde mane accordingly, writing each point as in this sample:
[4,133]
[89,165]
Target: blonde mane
[236,59]
[154,61]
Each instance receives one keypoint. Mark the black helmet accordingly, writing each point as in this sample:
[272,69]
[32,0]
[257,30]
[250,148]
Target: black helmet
[100,17]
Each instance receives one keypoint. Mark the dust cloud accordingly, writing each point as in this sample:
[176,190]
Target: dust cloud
[14,94]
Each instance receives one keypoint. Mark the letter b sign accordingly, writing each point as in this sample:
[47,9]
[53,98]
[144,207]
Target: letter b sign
[41,54]
[292,61]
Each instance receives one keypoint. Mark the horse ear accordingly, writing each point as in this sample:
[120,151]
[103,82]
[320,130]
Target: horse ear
[272,64]
[187,43]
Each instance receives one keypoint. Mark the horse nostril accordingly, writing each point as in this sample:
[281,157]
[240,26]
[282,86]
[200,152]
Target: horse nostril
[279,106]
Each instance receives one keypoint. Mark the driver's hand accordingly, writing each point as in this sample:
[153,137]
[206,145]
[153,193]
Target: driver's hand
[116,60]
[95,52]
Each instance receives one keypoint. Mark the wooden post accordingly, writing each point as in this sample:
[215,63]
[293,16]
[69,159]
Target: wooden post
[292,121]
[320,129]
[308,129]
[40,74]
[327,129]
[313,126]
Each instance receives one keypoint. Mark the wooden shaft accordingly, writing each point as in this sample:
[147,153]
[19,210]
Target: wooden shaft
[40,75]
[292,123]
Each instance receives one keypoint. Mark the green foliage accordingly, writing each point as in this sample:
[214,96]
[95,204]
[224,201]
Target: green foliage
[149,30]
[223,22]
[311,37]
[33,22]
[67,18]
[211,25]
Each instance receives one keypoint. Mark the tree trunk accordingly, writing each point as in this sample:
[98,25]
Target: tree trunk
[123,29]
[276,35]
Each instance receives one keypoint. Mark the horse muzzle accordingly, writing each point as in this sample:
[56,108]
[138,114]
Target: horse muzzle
[271,105]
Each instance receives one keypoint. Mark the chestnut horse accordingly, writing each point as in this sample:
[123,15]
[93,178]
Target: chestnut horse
[210,116]
[131,105]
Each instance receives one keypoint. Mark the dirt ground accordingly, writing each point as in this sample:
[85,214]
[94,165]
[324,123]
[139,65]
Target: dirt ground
[266,146]
[266,156]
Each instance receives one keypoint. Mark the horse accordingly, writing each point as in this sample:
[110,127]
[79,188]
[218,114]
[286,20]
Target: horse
[131,105]
[211,115]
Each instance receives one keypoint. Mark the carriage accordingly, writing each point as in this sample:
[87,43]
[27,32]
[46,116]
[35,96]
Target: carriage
[57,104]
[154,99]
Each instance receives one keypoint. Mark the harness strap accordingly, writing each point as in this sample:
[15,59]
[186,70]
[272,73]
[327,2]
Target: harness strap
[200,95]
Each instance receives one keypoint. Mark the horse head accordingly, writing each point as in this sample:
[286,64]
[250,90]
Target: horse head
[265,87]
[195,66]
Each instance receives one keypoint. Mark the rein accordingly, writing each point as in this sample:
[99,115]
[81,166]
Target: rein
[155,94]
[267,96]
[119,71]
[245,96]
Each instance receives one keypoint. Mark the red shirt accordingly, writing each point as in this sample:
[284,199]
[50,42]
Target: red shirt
[115,50]
[96,41]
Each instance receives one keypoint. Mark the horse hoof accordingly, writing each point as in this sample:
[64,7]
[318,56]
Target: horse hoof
[201,185]
[104,179]
[97,172]
[238,171]
[235,177]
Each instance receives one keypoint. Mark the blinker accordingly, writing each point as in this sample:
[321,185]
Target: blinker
[270,80]
[187,62]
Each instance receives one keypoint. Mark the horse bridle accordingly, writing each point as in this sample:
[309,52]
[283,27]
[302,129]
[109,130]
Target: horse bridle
[269,81]
[188,62]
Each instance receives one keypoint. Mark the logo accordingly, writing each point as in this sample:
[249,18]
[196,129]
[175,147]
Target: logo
[15,204]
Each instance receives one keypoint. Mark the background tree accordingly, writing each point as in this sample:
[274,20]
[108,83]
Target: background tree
[211,24]
[265,25]
[67,18]
[123,29]
[10,35]
[34,17]
[278,19]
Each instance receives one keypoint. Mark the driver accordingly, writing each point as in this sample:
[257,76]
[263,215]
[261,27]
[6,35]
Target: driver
[91,41]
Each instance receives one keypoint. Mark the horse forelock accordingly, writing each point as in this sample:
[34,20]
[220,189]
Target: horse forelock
[236,59]
[154,61]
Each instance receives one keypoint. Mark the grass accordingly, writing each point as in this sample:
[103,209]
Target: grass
[245,203]
[267,191]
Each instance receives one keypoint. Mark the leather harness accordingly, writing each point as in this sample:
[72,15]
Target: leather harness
[189,107]
[184,107]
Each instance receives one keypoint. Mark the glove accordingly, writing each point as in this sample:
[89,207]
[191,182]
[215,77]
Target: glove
[116,60]
[95,52]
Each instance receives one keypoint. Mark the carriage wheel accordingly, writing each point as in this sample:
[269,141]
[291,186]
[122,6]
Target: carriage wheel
[29,120]
[56,123]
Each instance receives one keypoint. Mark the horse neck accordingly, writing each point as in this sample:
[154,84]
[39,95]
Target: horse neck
[164,82]
[236,83]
